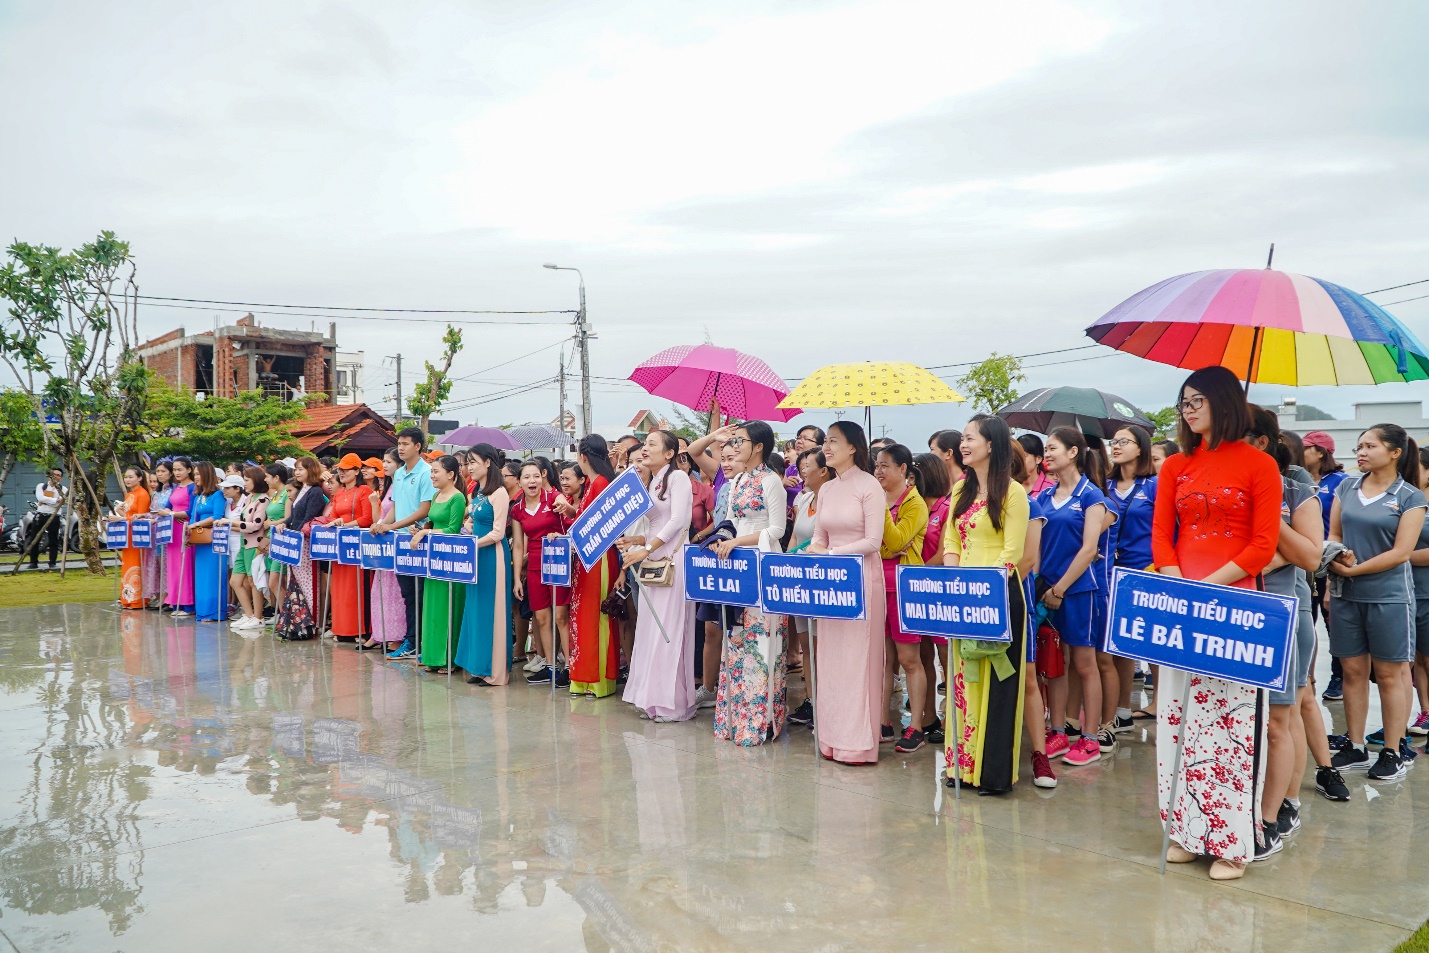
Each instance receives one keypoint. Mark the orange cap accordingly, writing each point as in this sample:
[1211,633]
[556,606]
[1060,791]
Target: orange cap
[372,462]
[350,461]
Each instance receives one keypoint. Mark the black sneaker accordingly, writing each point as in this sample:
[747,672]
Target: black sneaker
[563,678]
[804,714]
[1106,739]
[1329,783]
[1073,731]
[1338,742]
[1407,753]
[1389,767]
[886,735]
[1269,843]
[1350,758]
[911,741]
[933,731]
[1335,690]
[541,676]
[1122,725]
[1288,820]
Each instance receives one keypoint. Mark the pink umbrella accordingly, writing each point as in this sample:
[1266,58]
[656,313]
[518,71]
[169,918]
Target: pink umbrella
[699,376]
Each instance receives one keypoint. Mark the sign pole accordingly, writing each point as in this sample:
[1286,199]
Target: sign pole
[653,614]
[381,602]
[183,564]
[813,692]
[555,645]
[451,597]
[1175,777]
[951,721]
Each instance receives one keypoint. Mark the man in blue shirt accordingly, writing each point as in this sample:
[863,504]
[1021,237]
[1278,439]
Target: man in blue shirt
[412,494]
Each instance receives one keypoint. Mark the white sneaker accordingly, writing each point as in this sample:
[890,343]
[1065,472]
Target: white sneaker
[534,664]
[704,698]
[240,623]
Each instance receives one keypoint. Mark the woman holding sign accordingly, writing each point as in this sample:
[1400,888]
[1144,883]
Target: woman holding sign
[1217,519]
[662,665]
[208,506]
[442,602]
[904,528]
[595,640]
[851,509]
[988,528]
[389,609]
[351,506]
[180,556]
[533,520]
[294,619]
[135,506]
[484,651]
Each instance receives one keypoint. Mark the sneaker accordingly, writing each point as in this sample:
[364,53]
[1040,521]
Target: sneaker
[933,731]
[1375,738]
[1270,843]
[405,650]
[1338,742]
[1149,681]
[1122,725]
[1331,784]
[704,698]
[1072,730]
[911,741]
[1057,744]
[1335,690]
[1042,775]
[181,614]
[886,735]
[540,677]
[1389,767]
[1406,753]
[1106,739]
[534,664]
[1351,759]
[1083,751]
[803,715]
[1421,725]
[1288,819]
[563,678]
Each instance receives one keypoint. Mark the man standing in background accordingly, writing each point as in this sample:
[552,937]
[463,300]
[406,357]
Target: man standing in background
[49,497]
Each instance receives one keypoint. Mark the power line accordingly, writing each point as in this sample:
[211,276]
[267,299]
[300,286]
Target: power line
[335,307]
[1397,287]
[512,361]
[1402,300]
[373,317]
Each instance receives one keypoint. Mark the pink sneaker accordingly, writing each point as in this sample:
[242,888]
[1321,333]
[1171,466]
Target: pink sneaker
[1085,751]
[1057,744]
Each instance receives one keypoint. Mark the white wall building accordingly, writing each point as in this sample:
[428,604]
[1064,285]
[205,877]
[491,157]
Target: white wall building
[347,377]
[1409,414]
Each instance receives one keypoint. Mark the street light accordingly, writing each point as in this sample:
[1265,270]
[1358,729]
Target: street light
[582,337]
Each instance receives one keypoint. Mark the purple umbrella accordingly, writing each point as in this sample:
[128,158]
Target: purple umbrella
[700,375]
[471,436]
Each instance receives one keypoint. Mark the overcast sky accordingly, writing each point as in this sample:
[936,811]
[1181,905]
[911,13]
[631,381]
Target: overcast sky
[808,182]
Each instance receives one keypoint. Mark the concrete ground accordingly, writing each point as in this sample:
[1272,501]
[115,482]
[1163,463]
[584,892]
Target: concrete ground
[177,787]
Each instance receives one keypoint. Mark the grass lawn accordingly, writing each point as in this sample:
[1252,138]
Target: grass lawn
[43,589]
[1418,943]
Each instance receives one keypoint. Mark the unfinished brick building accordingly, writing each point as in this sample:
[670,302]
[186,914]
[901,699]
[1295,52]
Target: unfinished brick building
[226,361]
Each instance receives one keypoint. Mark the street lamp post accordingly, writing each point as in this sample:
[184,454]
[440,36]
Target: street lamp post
[583,339]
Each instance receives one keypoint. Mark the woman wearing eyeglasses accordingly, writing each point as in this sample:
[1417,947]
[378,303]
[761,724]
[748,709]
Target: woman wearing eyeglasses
[1131,493]
[1217,519]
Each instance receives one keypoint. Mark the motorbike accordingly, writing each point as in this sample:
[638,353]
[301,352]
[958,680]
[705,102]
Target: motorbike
[15,538]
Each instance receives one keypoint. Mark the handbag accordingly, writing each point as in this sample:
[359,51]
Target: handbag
[199,536]
[659,573]
[616,605]
[1050,663]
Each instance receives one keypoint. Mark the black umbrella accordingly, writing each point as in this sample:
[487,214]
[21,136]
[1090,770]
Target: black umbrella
[1091,411]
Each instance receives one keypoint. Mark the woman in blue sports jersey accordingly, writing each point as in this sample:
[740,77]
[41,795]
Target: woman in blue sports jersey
[1034,712]
[1074,510]
[1131,493]
[1328,473]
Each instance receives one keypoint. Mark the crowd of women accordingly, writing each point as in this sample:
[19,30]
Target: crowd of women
[1240,503]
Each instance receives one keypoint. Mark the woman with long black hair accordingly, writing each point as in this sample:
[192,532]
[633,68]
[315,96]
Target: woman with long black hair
[905,527]
[988,528]
[595,639]
[1217,520]
[484,648]
[1131,494]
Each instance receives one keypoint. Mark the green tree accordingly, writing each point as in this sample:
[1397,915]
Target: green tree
[1165,419]
[223,429]
[993,383]
[428,396]
[21,439]
[69,334]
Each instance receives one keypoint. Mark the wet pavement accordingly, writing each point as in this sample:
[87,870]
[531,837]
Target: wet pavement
[168,786]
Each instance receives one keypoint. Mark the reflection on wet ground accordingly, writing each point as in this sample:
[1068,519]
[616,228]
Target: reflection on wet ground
[171,786]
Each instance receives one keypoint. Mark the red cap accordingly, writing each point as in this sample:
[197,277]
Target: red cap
[1318,438]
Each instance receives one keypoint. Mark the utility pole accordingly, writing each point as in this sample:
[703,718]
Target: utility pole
[561,418]
[398,418]
[583,341]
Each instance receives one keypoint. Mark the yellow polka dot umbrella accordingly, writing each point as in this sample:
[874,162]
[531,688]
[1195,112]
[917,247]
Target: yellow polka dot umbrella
[870,384]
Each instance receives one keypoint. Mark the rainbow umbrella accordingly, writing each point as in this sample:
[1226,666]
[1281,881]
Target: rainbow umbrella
[1269,327]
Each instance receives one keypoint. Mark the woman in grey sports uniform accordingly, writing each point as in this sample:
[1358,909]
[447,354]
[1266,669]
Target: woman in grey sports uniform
[1378,515]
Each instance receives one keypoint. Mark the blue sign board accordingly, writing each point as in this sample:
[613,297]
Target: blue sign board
[379,552]
[411,560]
[141,534]
[955,602]
[819,587]
[611,513]
[451,558]
[222,541]
[164,531]
[116,534]
[1239,635]
[322,544]
[286,546]
[349,546]
[732,581]
[556,561]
